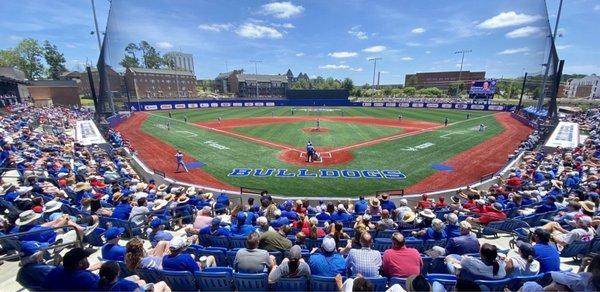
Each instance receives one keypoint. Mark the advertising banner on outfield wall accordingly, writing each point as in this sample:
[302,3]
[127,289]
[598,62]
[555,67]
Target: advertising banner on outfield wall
[192,104]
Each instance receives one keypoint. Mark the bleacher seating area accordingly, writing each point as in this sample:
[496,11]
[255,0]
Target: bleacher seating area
[61,202]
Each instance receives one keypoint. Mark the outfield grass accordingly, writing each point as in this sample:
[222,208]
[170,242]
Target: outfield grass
[339,134]
[400,154]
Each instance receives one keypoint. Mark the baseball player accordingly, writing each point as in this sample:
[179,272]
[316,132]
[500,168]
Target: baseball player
[170,116]
[468,115]
[179,158]
[185,118]
[446,122]
[310,150]
[219,120]
[168,125]
[399,117]
[318,124]
[481,127]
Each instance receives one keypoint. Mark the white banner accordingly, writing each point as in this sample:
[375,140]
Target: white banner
[214,104]
[566,135]
[367,104]
[496,107]
[417,104]
[270,104]
[238,104]
[203,105]
[390,104]
[249,104]
[461,106]
[225,104]
[86,133]
[192,105]
[259,104]
[378,104]
[446,105]
[404,104]
[166,106]
[180,105]
[433,105]
[151,107]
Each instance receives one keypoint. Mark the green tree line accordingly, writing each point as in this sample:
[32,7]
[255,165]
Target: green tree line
[143,55]
[35,60]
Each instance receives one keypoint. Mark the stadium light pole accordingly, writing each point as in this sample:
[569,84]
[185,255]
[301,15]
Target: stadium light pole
[256,73]
[462,60]
[545,79]
[374,69]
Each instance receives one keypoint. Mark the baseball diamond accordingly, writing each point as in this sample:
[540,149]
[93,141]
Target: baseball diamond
[264,147]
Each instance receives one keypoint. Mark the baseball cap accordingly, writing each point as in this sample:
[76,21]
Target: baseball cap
[569,279]
[328,244]
[30,247]
[216,221]
[241,216]
[178,242]
[72,257]
[295,252]
[525,248]
[451,217]
[113,232]
[155,223]
[532,286]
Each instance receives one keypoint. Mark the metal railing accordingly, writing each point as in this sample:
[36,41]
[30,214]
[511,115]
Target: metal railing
[56,245]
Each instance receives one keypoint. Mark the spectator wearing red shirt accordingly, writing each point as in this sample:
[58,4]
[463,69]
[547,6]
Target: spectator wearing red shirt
[401,261]
[311,230]
[493,214]
[470,204]
[514,181]
[299,208]
[441,204]
[424,203]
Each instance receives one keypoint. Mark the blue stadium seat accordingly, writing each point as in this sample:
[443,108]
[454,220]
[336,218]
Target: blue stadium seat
[493,285]
[398,280]
[386,233]
[349,231]
[438,266]
[179,280]
[492,228]
[311,243]
[426,264]
[379,283]
[515,283]
[219,269]
[214,281]
[95,237]
[428,244]
[320,283]
[290,284]
[416,244]
[237,241]
[595,245]
[125,271]
[447,280]
[382,244]
[251,282]
[149,275]
[408,232]
[575,249]
[231,257]
[219,241]
[218,253]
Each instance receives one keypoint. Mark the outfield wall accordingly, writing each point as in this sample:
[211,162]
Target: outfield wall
[196,104]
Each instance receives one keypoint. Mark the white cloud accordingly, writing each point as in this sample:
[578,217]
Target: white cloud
[288,25]
[71,46]
[418,30]
[256,31]
[361,35]
[335,67]
[427,52]
[282,9]
[413,44]
[506,19]
[356,69]
[407,58]
[563,47]
[216,27]
[343,54]
[375,49]
[514,51]
[597,7]
[15,38]
[299,54]
[164,45]
[525,31]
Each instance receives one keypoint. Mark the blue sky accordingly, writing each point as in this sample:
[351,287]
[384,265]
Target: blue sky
[328,38]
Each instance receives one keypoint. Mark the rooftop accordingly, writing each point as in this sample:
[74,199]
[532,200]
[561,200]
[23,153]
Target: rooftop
[262,78]
[161,71]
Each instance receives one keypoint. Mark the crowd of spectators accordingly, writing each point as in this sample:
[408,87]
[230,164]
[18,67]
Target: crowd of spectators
[63,190]
[425,99]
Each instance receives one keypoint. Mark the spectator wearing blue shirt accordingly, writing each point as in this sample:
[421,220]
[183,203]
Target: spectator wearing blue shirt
[158,234]
[326,214]
[279,220]
[177,260]
[123,209]
[386,203]
[547,206]
[452,229]
[223,199]
[545,253]
[73,274]
[361,205]
[34,270]
[215,228]
[242,228]
[28,221]
[435,232]
[465,243]
[109,279]
[341,214]
[328,262]
[112,251]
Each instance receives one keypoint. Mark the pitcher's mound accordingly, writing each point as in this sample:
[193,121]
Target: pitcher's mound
[314,130]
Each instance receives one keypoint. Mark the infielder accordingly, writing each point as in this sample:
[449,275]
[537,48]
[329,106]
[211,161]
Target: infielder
[446,122]
[185,118]
[318,125]
[179,158]
[168,125]
[481,127]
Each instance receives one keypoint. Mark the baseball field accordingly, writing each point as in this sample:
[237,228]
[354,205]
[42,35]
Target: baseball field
[362,150]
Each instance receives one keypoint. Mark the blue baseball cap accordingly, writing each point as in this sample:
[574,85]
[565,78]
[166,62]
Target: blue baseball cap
[30,247]
[155,222]
[113,232]
[216,221]
[241,216]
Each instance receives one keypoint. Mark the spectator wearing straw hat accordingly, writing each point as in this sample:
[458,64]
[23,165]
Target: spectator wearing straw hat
[435,232]
[426,218]
[123,209]
[407,221]
[374,207]
[402,208]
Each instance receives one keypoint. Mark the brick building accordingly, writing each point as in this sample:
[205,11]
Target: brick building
[160,84]
[244,85]
[54,92]
[83,82]
[442,80]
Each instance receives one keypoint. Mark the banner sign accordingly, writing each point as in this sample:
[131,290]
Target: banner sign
[390,104]
[566,135]
[180,106]
[166,106]
[320,173]
[192,105]
[86,133]
[214,104]
[150,107]
[446,105]
[433,105]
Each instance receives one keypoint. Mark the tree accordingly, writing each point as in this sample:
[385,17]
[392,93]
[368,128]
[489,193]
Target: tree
[9,58]
[29,55]
[55,60]
[131,60]
[347,84]
[169,62]
[409,91]
[151,57]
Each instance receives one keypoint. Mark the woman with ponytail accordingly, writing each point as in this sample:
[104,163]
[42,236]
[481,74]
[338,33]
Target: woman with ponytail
[136,256]
[312,231]
[523,264]
[109,279]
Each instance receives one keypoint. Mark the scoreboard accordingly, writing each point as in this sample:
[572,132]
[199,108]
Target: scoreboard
[482,89]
